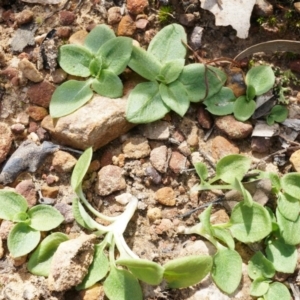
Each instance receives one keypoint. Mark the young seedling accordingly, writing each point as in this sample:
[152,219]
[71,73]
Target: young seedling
[102,57]
[171,86]
[121,274]
[26,234]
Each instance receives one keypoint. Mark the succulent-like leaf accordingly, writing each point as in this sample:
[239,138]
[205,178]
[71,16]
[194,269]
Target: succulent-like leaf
[171,70]
[259,287]
[144,63]
[68,97]
[205,220]
[288,206]
[185,271]
[11,204]
[227,270]
[81,168]
[278,114]
[277,291]
[122,285]
[168,43]
[290,184]
[243,109]
[97,270]
[175,97]
[75,60]
[250,224]
[40,260]
[221,103]
[260,267]
[44,217]
[250,93]
[115,54]
[282,255]
[261,78]
[22,239]
[144,270]
[145,104]
[108,85]
[97,37]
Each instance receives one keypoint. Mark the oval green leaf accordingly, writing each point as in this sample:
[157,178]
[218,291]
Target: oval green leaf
[115,54]
[171,70]
[250,93]
[262,78]
[97,37]
[122,285]
[288,206]
[259,287]
[40,260]
[108,85]
[75,60]
[11,204]
[175,97]
[201,170]
[81,168]
[290,184]
[250,224]
[168,43]
[22,239]
[44,217]
[97,270]
[277,291]
[278,114]
[186,271]
[227,270]
[222,103]
[144,270]
[68,97]
[145,104]
[260,267]
[283,256]
[224,235]
[243,109]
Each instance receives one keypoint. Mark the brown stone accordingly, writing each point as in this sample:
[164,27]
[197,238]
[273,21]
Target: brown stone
[295,66]
[204,118]
[94,292]
[235,81]
[136,147]
[187,20]
[66,17]
[166,196]
[37,113]
[30,71]
[159,158]
[63,32]
[49,191]
[222,147]
[41,93]
[27,189]
[178,162]
[295,160]
[25,16]
[114,15]
[136,7]
[260,144]
[5,141]
[126,26]
[78,37]
[63,162]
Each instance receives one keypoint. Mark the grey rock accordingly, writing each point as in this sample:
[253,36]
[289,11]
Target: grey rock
[159,158]
[70,263]
[158,130]
[24,37]
[66,210]
[90,125]
[196,37]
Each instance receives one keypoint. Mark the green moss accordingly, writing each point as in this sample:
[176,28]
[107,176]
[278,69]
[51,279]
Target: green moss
[165,14]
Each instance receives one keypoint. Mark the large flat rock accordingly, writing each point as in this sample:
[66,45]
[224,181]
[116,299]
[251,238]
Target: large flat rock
[96,124]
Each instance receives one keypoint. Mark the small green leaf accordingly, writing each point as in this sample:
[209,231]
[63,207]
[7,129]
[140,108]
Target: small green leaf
[290,184]
[262,78]
[115,54]
[144,63]
[122,285]
[11,204]
[97,270]
[21,217]
[145,104]
[81,168]
[288,206]
[246,195]
[168,43]
[175,97]
[243,109]
[289,230]
[40,260]
[222,103]
[95,66]
[278,114]
[232,167]
[250,224]
[260,267]
[250,93]
[171,70]
[227,270]
[277,291]
[44,217]
[283,256]
[259,287]
[144,270]
[97,37]
[22,239]
[185,271]
[75,60]
[68,97]
[205,220]
[81,216]
[224,235]
[108,85]
[201,170]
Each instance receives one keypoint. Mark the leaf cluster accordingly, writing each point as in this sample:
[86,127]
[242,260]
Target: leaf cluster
[25,235]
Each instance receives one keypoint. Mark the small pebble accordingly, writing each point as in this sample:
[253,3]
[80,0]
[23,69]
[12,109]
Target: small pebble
[178,162]
[187,20]
[1,249]
[59,76]
[260,144]
[41,93]
[204,118]
[30,71]
[136,7]
[153,174]
[126,26]
[5,141]
[17,128]
[66,211]
[158,130]
[196,37]
[78,37]
[63,32]
[37,113]
[63,162]
[49,191]
[295,160]
[95,292]
[222,147]
[24,17]
[66,17]
[27,189]
[136,147]
[114,15]
[154,214]
[166,196]
[158,158]
[5,228]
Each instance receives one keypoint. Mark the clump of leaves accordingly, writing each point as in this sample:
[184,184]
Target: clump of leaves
[26,233]
[171,86]
[102,57]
